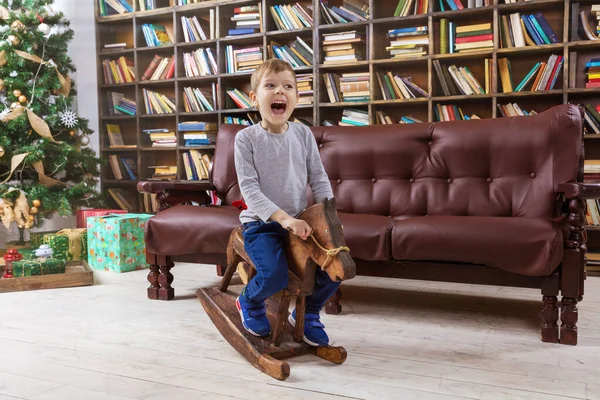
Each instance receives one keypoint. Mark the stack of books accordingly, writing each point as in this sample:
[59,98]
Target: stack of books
[113,7]
[513,110]
[353,117]
[161,137]
[449,112]
[196,165]
[341,47]
[197,100]
[248,20]
[592,73]
[158,103]
[118,104]
[408,42]
[160,68]
[185,2]
[591,170]
[396,87]
[156,35]
[465,38]
[289,17]
[349,11]
[304,83]
[526,30]
[164,172]
[542,76]
[412,7]
[198,133]
[240,98]
[118,71]
[245,59]
[355,86]
[200,62]
[298,54]
[192,30]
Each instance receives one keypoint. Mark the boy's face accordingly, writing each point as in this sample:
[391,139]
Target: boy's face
[276,97]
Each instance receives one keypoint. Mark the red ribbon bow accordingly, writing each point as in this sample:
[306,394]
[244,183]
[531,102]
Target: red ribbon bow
[240,205]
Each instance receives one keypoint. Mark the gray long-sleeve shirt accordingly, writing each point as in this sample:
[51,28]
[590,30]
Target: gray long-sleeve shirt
[274,169]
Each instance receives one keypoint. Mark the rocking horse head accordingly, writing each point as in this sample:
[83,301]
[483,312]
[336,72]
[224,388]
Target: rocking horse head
[329,247]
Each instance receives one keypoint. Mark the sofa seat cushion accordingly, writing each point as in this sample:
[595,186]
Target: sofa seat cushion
[367,235]
[526,246]
[185,229]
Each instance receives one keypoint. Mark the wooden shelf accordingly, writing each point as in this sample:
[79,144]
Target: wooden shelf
[127,28]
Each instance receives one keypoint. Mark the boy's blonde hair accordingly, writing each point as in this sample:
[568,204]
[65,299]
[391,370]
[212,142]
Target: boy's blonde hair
[274,66]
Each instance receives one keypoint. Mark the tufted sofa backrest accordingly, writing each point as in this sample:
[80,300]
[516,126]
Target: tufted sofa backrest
[496,167]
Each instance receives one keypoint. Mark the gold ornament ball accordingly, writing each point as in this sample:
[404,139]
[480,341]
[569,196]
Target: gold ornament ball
[72,133]
[15,105]
[33,210]
[1,151]
[1,84]
[22,99]
[36,203]
[17,26]
[13,39]
[30,218]
[16,93]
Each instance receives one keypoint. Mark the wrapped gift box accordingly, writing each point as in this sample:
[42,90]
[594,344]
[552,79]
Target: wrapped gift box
[68,244]
[116,242]
[82,215]
[38,267]
[36,239]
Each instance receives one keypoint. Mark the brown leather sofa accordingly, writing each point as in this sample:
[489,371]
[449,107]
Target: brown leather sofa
[496,202]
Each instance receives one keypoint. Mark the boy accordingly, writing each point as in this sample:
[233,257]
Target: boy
[275,160]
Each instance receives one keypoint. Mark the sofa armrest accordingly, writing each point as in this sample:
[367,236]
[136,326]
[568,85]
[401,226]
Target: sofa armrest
[170,193]
[579,190]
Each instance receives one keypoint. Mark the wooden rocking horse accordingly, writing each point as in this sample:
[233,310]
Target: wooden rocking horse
[325,248]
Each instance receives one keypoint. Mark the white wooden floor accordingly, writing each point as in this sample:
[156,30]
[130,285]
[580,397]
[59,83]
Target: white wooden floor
[405,340]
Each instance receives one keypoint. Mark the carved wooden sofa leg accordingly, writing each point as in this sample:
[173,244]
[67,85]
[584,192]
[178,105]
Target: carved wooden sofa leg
[549,309]
[160,277]
[333,305]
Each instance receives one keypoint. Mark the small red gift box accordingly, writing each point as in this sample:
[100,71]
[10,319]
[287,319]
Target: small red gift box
[82,215]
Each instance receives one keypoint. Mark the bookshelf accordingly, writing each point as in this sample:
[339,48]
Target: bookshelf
[573,46]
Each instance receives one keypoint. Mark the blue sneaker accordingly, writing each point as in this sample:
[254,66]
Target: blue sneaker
[254,317]
[314,332]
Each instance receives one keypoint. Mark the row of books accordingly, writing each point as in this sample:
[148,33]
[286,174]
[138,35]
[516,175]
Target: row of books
[156,35]
[349,11]
[196,165]
[384,119]
[456,81]
[239,98]
[197,99]
[160,68]
[458,4]
[542,76]
[396,87]
[591,123]
[518,30]
[408,42]
[161,137]
[158,103]
[115,138]
[292,16]
[341,47]
[513,110]
[405,8]
[200,62]
[118,71]
[450,112]
[123,167]
[298,54]
[248,20]
[465,38]
[592,215]
[245,59]
[113,7]
[192,29]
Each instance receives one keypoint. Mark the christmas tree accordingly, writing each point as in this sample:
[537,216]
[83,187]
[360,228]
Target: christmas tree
[45,166]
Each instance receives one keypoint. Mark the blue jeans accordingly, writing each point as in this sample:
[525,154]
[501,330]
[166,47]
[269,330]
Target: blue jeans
[264,243]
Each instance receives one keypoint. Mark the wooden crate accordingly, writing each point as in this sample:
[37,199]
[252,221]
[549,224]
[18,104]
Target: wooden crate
[78,273]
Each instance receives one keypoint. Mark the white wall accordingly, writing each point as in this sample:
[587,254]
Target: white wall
[82,50]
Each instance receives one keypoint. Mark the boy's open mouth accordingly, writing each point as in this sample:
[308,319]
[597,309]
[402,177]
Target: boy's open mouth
[278,107]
